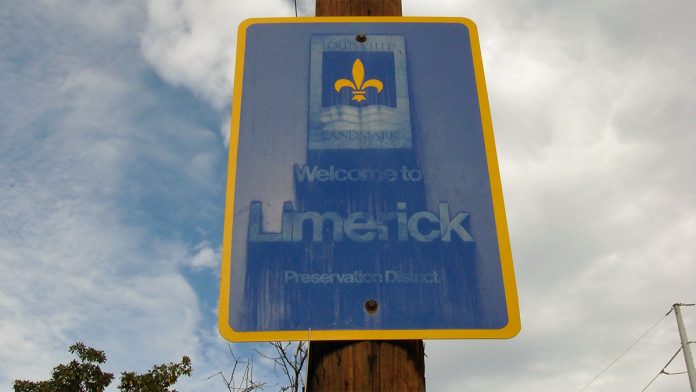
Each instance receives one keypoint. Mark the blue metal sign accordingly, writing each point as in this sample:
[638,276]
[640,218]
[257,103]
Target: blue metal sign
[363,200]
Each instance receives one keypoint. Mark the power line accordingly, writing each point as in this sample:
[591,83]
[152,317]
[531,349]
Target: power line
[663,371]
[625,351]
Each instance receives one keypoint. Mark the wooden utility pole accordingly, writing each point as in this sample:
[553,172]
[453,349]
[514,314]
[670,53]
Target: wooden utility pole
[686,350]
[379,365]
[358,8]
[376,365]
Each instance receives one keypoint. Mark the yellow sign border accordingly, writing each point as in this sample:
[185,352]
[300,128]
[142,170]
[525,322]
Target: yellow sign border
[508,274]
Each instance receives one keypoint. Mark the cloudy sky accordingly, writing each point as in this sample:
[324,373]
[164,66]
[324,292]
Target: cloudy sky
[113,129]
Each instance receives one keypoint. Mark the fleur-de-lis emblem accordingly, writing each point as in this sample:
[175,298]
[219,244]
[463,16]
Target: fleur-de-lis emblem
[357,84]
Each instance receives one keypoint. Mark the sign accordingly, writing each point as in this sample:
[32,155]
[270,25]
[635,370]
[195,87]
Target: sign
[363,193]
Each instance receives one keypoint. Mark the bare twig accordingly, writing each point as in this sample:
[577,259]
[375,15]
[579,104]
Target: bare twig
[290,361]
[246,383]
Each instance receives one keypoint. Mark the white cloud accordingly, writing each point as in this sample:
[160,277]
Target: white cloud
[225,131]
[205,257]
[191,43]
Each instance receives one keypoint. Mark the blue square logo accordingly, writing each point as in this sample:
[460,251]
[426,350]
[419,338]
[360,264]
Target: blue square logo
[358,93]
[358,79]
